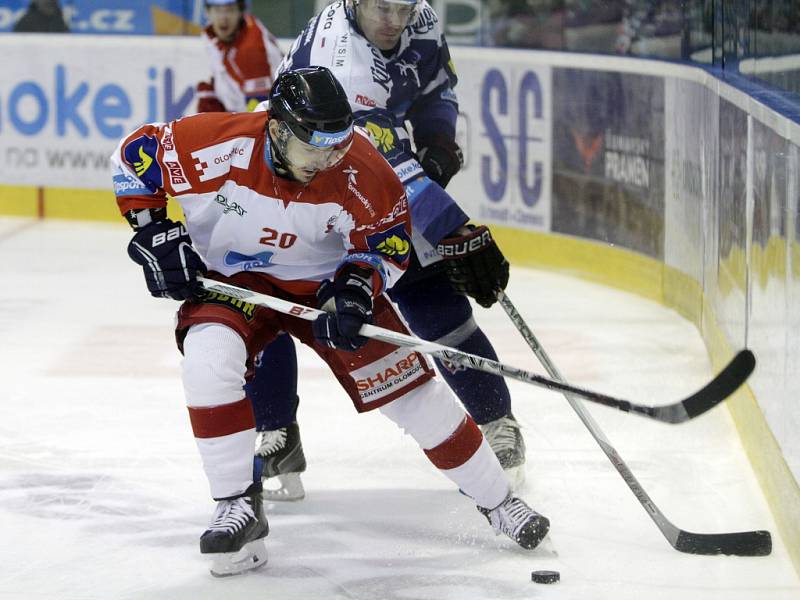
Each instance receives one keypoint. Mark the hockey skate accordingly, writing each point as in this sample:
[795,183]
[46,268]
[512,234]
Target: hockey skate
[280,453]
[506,441]
[518,521]
[234,539]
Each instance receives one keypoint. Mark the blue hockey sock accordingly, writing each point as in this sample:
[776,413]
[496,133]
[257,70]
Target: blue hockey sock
[273,389]
[486,397]
[435,312]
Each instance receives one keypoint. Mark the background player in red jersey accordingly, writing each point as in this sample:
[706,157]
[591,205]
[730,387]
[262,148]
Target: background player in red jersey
[244,59]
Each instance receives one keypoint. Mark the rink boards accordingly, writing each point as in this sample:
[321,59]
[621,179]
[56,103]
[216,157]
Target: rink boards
[689,184]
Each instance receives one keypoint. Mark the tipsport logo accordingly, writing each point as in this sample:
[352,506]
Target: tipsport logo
[125,185]
[321,139]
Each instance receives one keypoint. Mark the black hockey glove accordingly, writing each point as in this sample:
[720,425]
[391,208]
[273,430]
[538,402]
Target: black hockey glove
[440,157]
[171,265]
[474,264]
[348,300]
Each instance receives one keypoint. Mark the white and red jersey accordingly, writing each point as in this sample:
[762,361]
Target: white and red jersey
[241,216]
[242,70]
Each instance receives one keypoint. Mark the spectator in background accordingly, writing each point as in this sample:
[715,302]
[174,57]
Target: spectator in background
[244,57]
[527,23]
[651,28]
[42,16]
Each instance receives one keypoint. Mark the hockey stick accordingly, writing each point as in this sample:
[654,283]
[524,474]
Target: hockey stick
[730,378]
[743,543]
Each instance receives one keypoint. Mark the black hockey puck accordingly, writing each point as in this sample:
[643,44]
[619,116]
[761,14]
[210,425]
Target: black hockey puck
[545,576]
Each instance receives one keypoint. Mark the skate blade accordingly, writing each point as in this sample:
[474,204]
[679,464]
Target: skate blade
[540,534]
[290,490]
[516,477]
[252,556]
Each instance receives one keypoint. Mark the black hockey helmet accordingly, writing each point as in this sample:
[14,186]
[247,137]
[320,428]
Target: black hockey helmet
[313,105]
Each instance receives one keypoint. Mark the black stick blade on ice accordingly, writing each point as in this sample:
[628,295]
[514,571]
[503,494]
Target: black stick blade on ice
[743,543]
[715,391]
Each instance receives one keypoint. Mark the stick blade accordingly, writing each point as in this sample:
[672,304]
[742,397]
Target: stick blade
[723,385]
[743,543]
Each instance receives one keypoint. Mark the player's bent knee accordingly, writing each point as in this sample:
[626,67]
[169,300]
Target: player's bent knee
[429,413]
[213,366]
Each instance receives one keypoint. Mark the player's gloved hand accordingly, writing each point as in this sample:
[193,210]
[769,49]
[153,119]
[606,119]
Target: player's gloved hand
[474,264]
[207,100]
[440,157]
[347,301]
[171,265]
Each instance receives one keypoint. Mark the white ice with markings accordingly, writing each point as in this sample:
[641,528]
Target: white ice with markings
[102,495]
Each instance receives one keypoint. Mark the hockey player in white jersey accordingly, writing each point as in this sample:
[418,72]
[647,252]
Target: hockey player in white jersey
[294,203]
[392,59]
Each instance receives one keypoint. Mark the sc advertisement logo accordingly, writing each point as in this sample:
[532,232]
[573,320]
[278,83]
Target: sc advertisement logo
[513,121]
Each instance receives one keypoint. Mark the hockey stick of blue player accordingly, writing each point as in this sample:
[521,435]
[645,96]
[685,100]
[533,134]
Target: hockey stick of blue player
[741,543]
[724,384]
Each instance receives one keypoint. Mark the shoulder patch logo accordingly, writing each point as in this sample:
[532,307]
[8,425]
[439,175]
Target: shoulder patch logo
[142,165]
[392,242]
[382,137]
[141,154]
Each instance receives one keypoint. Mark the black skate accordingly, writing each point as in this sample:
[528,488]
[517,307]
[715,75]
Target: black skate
[506,441]
[518,521]
[235,536]
[281,454]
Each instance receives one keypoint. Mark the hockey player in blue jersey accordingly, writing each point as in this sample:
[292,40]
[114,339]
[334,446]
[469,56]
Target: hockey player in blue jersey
[392,59]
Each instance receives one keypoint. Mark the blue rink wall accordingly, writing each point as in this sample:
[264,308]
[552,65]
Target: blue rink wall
[650,176]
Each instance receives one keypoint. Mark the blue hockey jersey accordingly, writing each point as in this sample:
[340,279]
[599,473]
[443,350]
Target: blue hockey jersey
[413,83]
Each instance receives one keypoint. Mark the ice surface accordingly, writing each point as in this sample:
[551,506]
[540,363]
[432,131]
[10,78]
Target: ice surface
[102,495]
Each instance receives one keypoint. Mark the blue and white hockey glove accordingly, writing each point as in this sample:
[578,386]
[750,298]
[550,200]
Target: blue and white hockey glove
[347,301]
[171,265]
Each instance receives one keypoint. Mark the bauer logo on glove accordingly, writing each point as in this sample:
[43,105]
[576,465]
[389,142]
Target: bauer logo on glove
[454,247]
[164,250]
[474,264]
